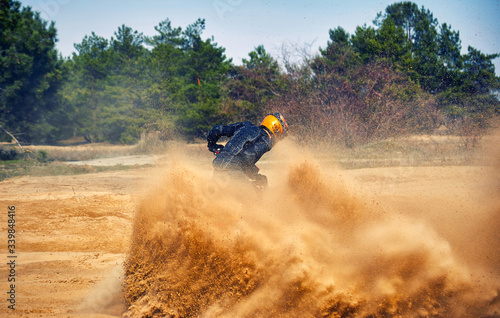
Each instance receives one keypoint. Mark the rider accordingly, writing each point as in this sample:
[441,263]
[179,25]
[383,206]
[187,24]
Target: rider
[247,144]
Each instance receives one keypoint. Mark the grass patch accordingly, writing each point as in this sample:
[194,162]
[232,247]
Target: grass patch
[404,151]
[17,168]
[90,151]
[81,152]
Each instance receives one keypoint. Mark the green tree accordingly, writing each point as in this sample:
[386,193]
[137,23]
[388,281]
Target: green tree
[252,85]
[29,72]
[365,42]
[420,29]
[449,53]
[339,54]
[479,72]
[128,42]
[106,86]
[89,70]
[463,83]
[188,74]
[258,79]
[167,35]
[471,102]
[394,45]
[403,15]
[206,70]
[434,60]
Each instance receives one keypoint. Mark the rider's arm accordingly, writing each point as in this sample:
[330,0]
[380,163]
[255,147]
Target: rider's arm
[223,130]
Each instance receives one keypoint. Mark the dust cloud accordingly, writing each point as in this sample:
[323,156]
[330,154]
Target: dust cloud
[105,297]
[314,244]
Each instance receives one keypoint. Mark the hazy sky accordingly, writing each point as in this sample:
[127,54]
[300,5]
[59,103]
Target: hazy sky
[241,25]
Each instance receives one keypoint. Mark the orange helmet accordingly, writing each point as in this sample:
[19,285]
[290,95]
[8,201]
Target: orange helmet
[276,125]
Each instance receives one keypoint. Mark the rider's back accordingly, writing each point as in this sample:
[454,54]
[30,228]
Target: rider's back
[244,149]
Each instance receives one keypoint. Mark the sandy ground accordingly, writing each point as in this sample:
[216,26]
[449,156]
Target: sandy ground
[123,160]
[73,232]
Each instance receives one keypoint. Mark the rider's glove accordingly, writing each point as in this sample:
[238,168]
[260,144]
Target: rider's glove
[215,148]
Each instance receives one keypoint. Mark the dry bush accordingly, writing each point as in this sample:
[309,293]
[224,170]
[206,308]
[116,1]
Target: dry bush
[373,102]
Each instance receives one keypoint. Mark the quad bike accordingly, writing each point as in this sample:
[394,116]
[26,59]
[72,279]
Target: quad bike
[250,174]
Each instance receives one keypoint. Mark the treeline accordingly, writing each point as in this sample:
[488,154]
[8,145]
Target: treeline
[405,74]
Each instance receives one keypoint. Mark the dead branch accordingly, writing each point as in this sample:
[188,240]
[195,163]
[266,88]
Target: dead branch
[14,138]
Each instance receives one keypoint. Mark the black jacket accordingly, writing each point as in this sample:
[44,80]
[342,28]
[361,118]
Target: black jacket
[247,144]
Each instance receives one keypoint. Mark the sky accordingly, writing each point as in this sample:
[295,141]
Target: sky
[241,25]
